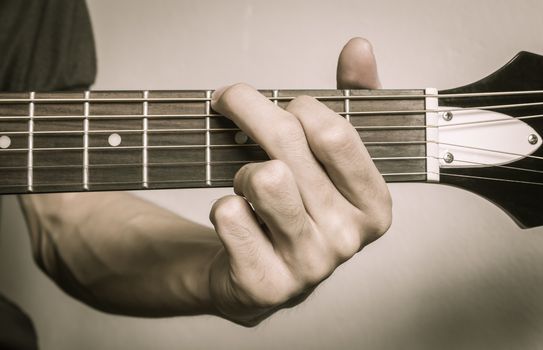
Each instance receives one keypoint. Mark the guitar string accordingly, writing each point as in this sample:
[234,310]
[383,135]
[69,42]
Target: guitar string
[490,165]
[181,163]
[201,131]
[490,179]
[199,181]
[202,146]
[228,181]
[241,162]
[278,98]
[353,113]
[373,127]
[204,130]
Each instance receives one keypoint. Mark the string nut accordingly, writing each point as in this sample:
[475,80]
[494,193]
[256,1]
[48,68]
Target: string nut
[532,139]
[448,157]
[447,116]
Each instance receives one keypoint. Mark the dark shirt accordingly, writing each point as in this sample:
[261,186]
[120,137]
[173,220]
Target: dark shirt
[45,45]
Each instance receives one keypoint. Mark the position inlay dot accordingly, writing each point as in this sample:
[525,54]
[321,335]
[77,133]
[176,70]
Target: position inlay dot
[5,141]
[114,139]
[240,137]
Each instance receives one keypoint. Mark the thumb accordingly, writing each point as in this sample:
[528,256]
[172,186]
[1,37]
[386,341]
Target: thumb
[356,67]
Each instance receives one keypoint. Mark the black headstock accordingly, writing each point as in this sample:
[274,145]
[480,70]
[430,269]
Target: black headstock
[519,193]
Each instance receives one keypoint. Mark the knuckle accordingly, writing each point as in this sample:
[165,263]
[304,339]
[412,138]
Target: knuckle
[314,267]
[336,138]
[270,300]
[241,176]
[316,272]
[287,131]
[346,244]
[271,177]
[380,219]
[300,102]
[344,235]
[227,210]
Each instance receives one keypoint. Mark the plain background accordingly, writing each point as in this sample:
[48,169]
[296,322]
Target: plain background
[453,271]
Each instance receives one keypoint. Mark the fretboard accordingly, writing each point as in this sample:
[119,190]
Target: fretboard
[103,140]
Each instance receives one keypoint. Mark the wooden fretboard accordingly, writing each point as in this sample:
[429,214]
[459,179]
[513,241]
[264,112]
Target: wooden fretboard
[103,140]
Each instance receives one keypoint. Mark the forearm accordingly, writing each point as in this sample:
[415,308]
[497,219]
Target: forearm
[125,255]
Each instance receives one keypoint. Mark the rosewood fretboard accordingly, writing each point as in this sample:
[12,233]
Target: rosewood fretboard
[99,140]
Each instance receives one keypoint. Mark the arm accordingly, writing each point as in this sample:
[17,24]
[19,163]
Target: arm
[121,254]
[321,199]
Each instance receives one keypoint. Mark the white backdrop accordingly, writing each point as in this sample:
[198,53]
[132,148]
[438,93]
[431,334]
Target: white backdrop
[453,271]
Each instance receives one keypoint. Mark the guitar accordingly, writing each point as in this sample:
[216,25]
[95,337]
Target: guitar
[484,137]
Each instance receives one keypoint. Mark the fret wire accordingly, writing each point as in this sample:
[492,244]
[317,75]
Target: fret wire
[208,138]
[346,104]
[30,171]
[144,139]
[275,94]
[86,110]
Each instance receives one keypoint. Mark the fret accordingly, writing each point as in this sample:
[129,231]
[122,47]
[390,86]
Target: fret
[30,178]
[14,164]
[275,94]
[177,167]
[208,139]
[145,140]
[228,160]
[346,105]
[86,142]
[108,149]
[334,101]
[46,174]
[415,167]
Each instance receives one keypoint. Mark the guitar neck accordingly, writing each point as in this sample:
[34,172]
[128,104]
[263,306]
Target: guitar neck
[131,140]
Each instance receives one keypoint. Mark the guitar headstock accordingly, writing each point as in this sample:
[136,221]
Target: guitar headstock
[516,185]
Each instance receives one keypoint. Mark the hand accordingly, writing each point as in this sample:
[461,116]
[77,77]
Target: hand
[320,199]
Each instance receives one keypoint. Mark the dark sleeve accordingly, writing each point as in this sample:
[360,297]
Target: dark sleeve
[16,329]
[45,45]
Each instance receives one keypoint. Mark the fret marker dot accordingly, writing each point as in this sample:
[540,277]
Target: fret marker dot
[5,141]
[240,137]
[114,140]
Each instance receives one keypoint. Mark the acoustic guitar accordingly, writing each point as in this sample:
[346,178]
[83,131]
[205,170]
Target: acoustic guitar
[484,137]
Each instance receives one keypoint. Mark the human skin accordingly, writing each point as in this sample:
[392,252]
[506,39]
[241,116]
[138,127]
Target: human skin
[293,219]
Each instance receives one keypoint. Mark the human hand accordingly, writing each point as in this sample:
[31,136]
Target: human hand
[320,198]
